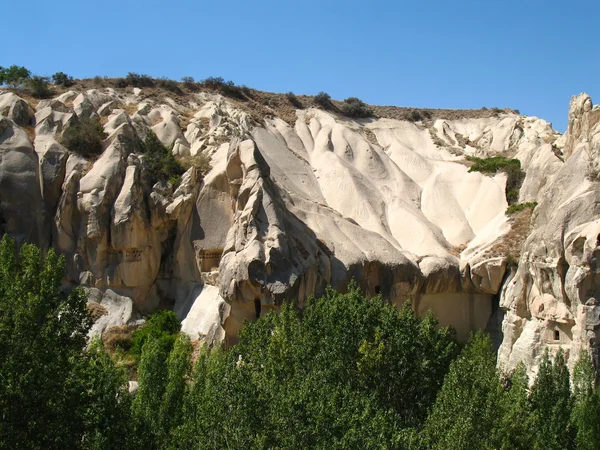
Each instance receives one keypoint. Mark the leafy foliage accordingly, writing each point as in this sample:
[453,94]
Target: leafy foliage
[323,100]
[495,164]
[14,76]
[54,394]
[39,86]
[62,79]
[347,372]
[353,107]
[160,161]
[84,137]
[294,100]
[227,88]
[520,207]
[552,403]
[162,326]
[464,414]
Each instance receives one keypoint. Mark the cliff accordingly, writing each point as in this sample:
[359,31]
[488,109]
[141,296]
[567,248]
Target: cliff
[300,198]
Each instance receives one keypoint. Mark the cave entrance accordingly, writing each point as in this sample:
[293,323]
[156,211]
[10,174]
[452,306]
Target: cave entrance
[257,307]
[556,335]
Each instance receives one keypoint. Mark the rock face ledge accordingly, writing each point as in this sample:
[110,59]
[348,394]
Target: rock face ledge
[291,207]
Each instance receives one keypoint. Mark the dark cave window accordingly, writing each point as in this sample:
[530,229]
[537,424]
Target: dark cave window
[257,307]
[556,335]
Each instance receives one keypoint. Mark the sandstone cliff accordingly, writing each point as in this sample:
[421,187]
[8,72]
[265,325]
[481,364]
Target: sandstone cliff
[300,200]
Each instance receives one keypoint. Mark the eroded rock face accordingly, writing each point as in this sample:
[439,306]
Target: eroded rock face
[550,300]
[291,207]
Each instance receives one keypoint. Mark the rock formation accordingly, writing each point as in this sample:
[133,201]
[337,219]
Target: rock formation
[291,206]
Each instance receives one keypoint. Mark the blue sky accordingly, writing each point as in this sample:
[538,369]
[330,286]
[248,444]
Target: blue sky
[530,55]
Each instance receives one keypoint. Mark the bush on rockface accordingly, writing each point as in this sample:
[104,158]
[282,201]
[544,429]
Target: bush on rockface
[84,137]
[355,108]
[38,86]
[227,88]
[160,161]
[162,325]
[495,164]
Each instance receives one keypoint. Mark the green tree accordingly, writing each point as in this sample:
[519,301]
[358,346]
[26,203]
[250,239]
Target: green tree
[38,86]
[552,404]
[62,79]
[152,375]
[105,399]
[514,430]
[468,405]
[345,372]
[14,76]
[586,404]
[179,365]
[42,333]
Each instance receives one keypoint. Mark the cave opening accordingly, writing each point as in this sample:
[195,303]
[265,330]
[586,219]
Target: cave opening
[257,307]
[556,335]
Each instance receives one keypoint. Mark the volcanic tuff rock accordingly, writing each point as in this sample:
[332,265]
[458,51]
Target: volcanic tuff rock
[291,206]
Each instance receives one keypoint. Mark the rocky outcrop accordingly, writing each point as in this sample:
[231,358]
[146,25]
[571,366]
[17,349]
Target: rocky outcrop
[550,300]
[290,207]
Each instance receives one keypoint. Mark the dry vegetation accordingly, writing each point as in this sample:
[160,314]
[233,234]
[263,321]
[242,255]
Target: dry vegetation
[509,246]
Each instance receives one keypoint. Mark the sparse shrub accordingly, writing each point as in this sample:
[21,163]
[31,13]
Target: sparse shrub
[169,85]
[39,86]
[190,84]
[520,207]
[227,88]
[99,81]
[354,107]
[120,83]
[512,168]
[323,100]
[14,76]
[200,162]
[415,115]
[295,101]
[62,79]
[85,137]
[160,162]
[139,81]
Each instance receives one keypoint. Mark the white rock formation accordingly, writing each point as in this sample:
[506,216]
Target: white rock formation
[291,207]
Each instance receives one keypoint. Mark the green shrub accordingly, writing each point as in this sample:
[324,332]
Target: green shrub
[62,79]
[323,100]
[38,86]
[14,76]
[139,81]
[169,85]
[85,137]
[162,325]
[415,115]
[291,97]
[160,162]
[227,88]
[354,107]
[520,207]
[190,84]
[495,164]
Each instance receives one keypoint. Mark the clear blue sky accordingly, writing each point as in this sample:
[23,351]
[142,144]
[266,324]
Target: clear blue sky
[530,55]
